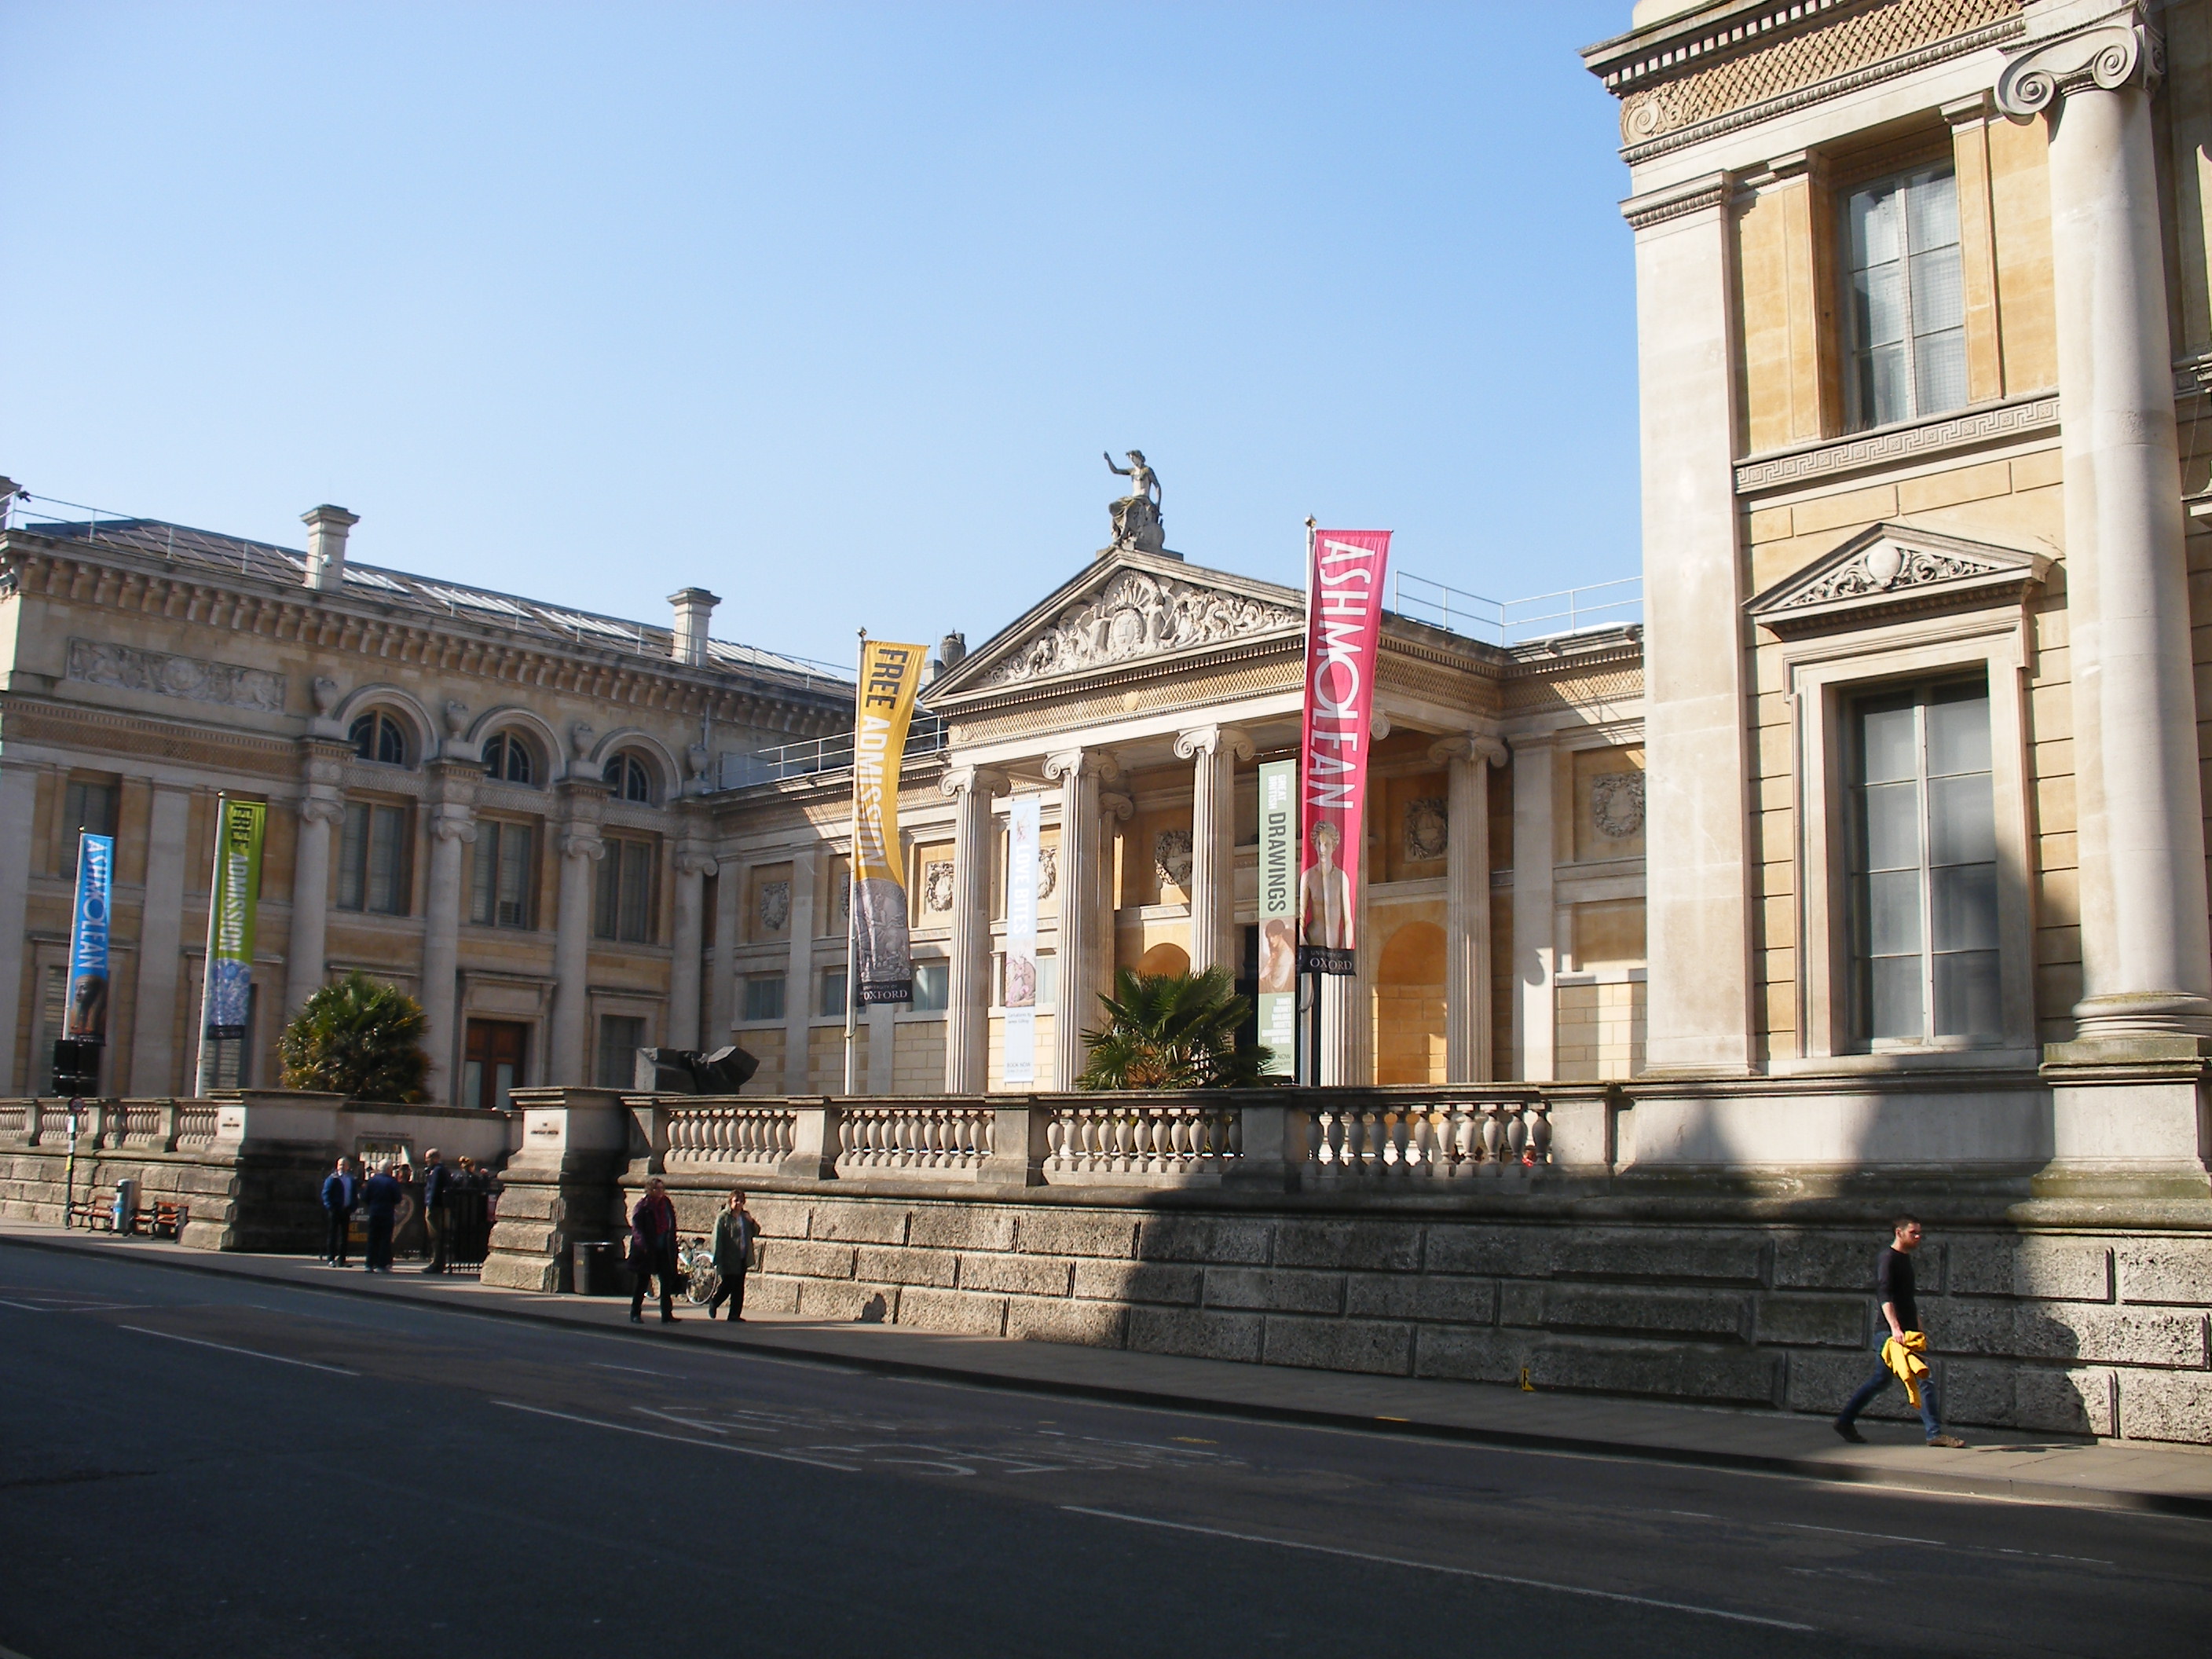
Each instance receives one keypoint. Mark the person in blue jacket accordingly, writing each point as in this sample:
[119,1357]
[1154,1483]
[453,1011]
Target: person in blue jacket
[341,1193]
[431,1188]
[379,1196]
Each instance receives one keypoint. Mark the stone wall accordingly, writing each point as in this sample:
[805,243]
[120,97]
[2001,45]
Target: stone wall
[258,1200]
[2078,1330]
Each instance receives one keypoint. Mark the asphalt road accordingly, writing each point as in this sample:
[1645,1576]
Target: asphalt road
[190,1465]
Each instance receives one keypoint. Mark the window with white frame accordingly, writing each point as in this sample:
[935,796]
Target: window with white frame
[373,860]
[1923,868]
[1905,307]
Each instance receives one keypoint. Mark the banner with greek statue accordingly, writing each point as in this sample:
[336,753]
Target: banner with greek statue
[1279,918]
[882,958]
[1344,626]
[234,895]
[84,1019]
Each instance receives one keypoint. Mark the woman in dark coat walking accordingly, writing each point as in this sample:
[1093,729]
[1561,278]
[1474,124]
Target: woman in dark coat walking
[653,1251]
[734,1232]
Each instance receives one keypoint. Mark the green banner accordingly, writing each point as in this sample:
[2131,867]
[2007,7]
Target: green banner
[1279,918]
[232,898]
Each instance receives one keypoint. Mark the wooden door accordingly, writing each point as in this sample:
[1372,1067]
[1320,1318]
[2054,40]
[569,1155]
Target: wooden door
[493,1063]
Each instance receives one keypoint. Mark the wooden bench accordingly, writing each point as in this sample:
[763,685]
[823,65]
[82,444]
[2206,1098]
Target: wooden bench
[157,1219]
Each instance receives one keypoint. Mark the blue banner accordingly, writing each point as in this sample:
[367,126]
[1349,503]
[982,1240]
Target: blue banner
[85,1019]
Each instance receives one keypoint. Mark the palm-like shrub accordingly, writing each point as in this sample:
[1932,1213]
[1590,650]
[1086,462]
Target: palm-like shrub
[359,1037]
[1172,1032]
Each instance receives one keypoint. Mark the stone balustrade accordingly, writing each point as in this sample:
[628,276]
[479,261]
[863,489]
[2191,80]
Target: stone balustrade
[728,1137]
[1142,1140]
[1453,1141]
[931,1139]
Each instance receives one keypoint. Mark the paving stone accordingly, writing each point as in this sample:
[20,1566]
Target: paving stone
[1390,1246]
[1453,1246]
[1088,1324]
[1663,1313]
[860,1222]
[1232,1242]
[805,1258]
[1421,1296]
[2051,1269]
[1172,1282]
[1661,1256]
[1052,1232]
[1201,1333]
[1027,1275]
[1838,1321]
[959,1227]
[1471,1354]
[1275,1290]
[1340,1345]
[890,1264]
[930,1309]
[2167,1406]
[2166,1270]
[769,1293]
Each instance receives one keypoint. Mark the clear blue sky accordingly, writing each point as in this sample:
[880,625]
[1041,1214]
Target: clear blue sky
[830,309]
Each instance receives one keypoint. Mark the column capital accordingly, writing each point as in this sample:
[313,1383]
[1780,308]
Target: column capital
[582,843]
[2080,47]
[1116,805]
[694,861]
[1477,747]
[959,781]
[315,809]
[1211,740]
[1069,764]
[457,826]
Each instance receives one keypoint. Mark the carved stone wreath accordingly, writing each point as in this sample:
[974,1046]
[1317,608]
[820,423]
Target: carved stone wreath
[1616,804]
[1047,870]
[1135,615]
[775,905]
[1172,857]
[1883,569]
[937,886]
[1428,828]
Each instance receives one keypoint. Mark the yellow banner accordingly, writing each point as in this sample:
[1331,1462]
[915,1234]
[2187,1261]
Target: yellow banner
[891,676]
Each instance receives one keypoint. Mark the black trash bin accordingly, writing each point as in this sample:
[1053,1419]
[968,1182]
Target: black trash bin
[598,1270]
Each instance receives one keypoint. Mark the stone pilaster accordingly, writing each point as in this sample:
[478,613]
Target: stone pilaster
[967,1015]
[310,900]
[1536,952]
[1080,773]
[722,988]
[160,938]
[1467,1044]
[581,848]
[452,830]
[1213,752]
[19,799]
[799,974]
[691,865]
[2146,949]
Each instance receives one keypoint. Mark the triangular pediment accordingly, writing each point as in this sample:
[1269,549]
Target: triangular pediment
[1888,570]
[1125,610]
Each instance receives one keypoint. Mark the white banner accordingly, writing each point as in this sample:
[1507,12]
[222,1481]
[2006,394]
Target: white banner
[1020,1033]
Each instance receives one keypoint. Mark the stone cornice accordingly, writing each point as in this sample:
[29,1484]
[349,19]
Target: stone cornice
[117,578]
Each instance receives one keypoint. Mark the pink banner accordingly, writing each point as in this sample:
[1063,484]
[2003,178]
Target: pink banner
[1343,620]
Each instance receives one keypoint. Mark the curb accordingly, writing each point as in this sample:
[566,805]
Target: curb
[2051,1493]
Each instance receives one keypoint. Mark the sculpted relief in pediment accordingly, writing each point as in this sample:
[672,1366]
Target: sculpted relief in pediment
[1136,615]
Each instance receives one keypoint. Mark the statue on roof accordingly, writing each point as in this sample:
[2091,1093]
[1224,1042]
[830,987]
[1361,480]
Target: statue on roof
[1137,514]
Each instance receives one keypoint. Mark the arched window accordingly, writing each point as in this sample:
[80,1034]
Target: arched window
[376,736]
[508,758]
[630,779]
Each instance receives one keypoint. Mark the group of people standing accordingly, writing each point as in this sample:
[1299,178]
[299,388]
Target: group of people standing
[381,1196]
[653,1242]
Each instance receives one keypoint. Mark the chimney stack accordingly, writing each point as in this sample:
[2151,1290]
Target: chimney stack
[326,544]
[694,605]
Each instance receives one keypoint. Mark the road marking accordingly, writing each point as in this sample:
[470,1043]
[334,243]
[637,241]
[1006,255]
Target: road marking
[711,1428]
[1433,1566]
[601,1366]
[679,1439]
[1896,1538]
[251,1353]
[27,1308]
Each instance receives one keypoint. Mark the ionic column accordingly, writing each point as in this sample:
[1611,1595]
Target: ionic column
[722,984]
[2146,949]
[310,900]
[1536,949]
[160,934]
[692,866]
[581,848]
[1214,751]
[452,829]
[1468,1056]
[1080,772]
[968,1006]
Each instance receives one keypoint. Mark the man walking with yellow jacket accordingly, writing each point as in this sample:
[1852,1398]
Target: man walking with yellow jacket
[1902,1345]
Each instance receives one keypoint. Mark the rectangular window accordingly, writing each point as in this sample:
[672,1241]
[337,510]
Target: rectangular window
[932,986]
[1923,875]
[500,896]
[622,907]
[85,806]
[763,996]
[621,1036]
[373,860]
[1905,300]
[829,994]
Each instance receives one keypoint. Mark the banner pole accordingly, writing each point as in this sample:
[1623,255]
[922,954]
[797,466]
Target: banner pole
[204,1073]
[852,872]
[1309,1065]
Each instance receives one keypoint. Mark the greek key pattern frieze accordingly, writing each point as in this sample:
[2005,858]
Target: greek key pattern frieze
[1977,426]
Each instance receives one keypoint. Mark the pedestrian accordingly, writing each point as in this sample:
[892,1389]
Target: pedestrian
[1898,1342]
[735,1230]
[341,1193]
[653,1251]
[380,1195]
[436,1178]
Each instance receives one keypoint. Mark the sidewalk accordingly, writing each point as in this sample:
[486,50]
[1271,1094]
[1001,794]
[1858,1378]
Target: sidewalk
[1998,1464]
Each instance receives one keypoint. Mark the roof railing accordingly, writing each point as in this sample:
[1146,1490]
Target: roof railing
[1616,604]
[926,736]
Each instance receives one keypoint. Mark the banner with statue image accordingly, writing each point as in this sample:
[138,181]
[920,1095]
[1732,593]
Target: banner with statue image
[234,896]
[1278,914]
[1344,627]
[84,1016]
[883,957]
[1019,1033]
